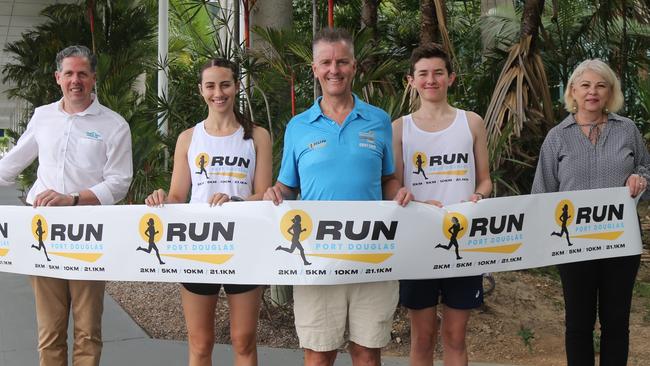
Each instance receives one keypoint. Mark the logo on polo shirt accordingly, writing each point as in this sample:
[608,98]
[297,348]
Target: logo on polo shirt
[589,222]
[205,241]
[79,241]
[447,164]
[229,166]
[358,241]
[367,140]
[318,144]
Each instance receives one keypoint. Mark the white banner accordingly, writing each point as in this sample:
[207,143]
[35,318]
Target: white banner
[317,242]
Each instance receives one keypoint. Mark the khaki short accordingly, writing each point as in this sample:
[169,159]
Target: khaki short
[322,313]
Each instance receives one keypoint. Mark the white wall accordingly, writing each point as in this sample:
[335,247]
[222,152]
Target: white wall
[16,17]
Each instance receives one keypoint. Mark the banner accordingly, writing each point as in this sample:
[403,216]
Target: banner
[317,242]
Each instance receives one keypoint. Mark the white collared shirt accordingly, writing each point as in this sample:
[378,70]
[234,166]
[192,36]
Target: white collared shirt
[85,150]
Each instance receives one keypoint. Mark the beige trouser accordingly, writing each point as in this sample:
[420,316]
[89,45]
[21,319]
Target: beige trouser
[54,299]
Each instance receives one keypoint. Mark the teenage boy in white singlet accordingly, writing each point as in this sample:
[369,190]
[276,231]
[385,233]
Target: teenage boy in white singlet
[449,146]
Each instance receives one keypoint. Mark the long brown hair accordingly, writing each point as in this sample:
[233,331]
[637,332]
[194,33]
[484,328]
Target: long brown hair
[246,123]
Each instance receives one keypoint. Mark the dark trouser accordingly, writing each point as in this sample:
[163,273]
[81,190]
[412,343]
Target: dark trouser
[603,285]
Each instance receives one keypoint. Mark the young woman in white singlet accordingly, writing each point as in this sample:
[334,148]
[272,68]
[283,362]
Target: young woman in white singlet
[222,157]
[441,157]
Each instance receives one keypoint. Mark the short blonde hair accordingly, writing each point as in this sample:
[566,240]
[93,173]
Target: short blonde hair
[615,102]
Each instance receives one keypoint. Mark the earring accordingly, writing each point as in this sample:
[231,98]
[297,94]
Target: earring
[606,110]
[575,107]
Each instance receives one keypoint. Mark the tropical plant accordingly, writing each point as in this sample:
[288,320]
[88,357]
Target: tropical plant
[121,33]
[570,32]
[521,95]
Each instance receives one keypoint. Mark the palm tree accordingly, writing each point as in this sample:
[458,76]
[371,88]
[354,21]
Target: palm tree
[521,95]
[573,30]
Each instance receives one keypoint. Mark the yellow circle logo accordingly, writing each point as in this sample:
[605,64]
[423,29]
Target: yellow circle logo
[454,224]
[419,159]
[151,227]
[296,223]
[202,160]
[564,213]
[39,228]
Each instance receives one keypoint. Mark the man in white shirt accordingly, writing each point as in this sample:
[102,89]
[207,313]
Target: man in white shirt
[84,155]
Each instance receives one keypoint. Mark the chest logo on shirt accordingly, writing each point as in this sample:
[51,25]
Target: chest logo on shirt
[357,241]
[78,241]
[94,135]
[318,144]
[230,166]
[598,222]
[194,241]
[367,140]
[446,164]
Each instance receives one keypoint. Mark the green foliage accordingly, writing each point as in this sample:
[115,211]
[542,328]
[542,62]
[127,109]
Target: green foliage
[580,29]
[527,336]
[642,289]
[123,36]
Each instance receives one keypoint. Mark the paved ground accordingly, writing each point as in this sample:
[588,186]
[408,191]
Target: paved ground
[124,342]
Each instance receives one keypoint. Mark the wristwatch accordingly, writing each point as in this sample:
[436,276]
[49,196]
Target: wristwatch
[75,198]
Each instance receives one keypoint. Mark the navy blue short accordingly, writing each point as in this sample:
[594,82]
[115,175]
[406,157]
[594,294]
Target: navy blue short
[213,288]
[458,293]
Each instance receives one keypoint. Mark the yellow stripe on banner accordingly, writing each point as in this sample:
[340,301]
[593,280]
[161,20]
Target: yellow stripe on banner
[207,258]
[510,248]
[231,174]
[86,257]
[3,252]
[366,258]
[612,235]
[451,172]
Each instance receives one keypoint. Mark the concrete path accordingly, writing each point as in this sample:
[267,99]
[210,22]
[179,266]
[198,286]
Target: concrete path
[125,343]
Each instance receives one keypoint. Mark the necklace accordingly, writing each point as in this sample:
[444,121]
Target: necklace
[594,129]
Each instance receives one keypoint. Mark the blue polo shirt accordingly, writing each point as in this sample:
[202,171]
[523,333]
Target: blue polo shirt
[331,162]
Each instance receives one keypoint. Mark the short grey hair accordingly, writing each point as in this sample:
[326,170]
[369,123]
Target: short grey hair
[76,51]
[333,35]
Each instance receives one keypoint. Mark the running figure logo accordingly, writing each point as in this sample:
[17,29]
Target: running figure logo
[419,160]
[564,217]
[201,162]
[455,225]
[39,233]
[295,232]
[150,234]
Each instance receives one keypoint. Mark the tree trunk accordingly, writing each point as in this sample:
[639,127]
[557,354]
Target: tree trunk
[369,23]
[429,31]
[531,20]
[521,98]
[274,14]
[369,17]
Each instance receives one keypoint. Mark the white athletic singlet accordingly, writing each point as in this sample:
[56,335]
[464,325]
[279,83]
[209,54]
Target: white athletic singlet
[439,165]
[220,164]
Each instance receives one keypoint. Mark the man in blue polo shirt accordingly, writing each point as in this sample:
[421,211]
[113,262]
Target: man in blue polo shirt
[340,149]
